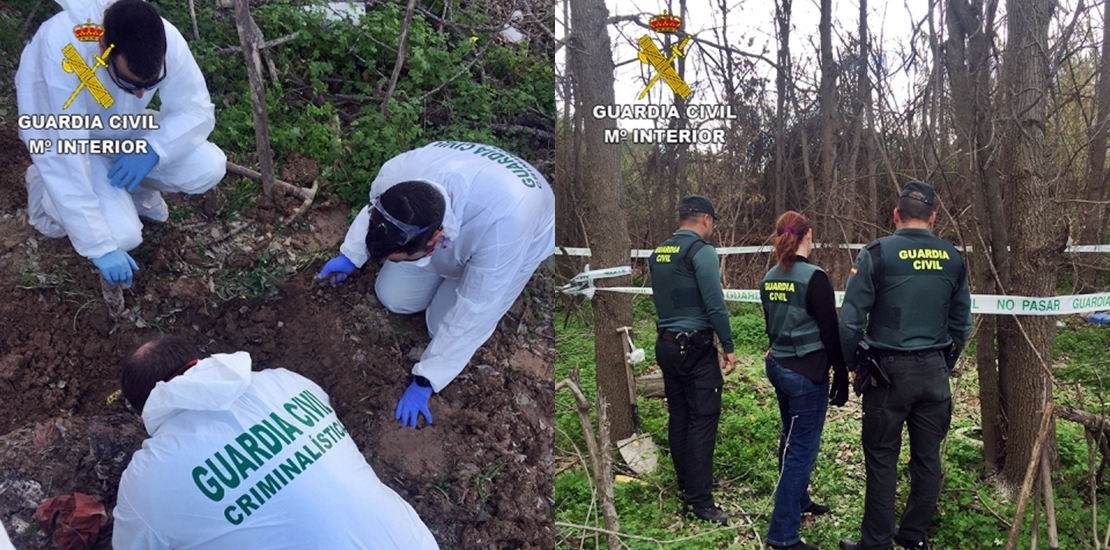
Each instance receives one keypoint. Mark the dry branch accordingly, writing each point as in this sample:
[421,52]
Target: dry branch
[263,46]
[400,56]
[1030,475]
[306,195]
[1091,420]
[600,450]
[249,40]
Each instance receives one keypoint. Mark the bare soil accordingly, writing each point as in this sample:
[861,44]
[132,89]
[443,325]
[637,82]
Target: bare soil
[233,277]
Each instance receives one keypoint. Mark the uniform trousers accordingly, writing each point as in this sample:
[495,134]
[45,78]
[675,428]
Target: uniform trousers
[692,382]
[920,398]
[194,173]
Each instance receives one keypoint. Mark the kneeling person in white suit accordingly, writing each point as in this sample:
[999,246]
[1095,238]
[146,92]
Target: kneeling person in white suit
[247,460]
[96,199]
[464,226]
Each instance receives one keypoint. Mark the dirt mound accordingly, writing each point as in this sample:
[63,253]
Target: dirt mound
[229,275]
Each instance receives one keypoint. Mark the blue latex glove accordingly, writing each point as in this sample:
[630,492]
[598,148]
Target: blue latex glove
[116,267]
[337,269]
[413,402]
[128,170]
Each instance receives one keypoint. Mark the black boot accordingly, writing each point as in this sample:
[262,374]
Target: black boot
[796,546]
[713,514]
[816,509]
[849,545]
[911,545]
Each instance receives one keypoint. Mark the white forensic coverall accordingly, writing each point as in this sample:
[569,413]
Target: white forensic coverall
[5,542]
[499,225]
[244,461]
[70,194]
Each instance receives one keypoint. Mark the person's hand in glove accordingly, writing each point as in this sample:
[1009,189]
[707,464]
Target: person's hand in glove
[337,269]
[838,395]
[413,402]
[128,170]
[116,266]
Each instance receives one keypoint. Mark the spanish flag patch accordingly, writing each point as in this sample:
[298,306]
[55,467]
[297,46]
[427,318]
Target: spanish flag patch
[853,272]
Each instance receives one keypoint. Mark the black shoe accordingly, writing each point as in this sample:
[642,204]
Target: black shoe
[713,514]
[904,543]
[816,509]
[846,544]
[796,546]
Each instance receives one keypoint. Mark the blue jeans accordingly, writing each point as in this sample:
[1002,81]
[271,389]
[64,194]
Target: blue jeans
[802,405]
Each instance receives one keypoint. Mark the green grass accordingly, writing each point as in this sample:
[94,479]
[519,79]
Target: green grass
[745,464]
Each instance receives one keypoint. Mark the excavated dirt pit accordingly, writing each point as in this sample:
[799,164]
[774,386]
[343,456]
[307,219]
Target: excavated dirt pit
[234,278]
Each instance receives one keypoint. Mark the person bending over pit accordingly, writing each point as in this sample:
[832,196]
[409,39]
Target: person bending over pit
[86,70]
[463,227]
[246,460]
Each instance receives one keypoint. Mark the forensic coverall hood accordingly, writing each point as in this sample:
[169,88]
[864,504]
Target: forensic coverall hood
[213,384]
[241,459]
[498,226]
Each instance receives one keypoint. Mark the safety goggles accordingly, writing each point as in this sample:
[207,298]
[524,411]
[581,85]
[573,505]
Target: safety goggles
[410,231]
[128,85]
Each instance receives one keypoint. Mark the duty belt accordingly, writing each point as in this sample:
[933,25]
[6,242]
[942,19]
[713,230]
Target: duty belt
[914,353]
[671,335]
[697,339]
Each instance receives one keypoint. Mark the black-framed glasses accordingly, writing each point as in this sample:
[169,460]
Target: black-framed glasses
[128,85]
[410,231]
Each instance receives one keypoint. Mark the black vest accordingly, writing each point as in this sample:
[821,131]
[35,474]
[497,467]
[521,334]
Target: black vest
[674,287]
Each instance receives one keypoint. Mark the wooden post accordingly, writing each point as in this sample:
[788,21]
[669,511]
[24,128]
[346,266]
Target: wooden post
[249,40]
[1049,502]
[1030,475]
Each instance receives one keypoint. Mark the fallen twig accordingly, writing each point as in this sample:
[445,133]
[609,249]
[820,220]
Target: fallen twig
[263,46]
[639,537]
[306,195]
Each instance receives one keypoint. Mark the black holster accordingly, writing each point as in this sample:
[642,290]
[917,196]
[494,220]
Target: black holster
[870,372]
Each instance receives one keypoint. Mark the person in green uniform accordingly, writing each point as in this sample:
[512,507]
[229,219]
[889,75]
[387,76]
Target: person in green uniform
[686,283]
[910,290]
[799,305]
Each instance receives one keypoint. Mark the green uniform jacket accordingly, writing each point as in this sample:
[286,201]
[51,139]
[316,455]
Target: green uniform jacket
[687,301]
[910,291]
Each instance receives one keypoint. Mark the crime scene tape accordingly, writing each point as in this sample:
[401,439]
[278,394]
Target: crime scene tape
[986,304]
[728,250]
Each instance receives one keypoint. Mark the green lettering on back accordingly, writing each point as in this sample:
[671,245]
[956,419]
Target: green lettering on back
[246,504]
[290,430]
[242,463]
[251,446]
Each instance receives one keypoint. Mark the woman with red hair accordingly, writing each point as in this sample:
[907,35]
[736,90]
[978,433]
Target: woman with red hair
[799,306]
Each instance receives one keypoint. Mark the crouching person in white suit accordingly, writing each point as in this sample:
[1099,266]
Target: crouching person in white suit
[464,226]
[96,65]
[247,460]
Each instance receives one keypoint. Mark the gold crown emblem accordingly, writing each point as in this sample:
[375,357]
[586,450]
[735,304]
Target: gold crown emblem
[665,23]
[88,31]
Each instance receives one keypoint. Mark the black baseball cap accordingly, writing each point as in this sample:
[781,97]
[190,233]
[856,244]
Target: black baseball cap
[697,204]
[921,191]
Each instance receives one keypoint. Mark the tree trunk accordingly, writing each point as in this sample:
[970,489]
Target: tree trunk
[1025,343]
[1096,157]
[870,167]
[591,63]
[782,20]
[827,93]
[967,60]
